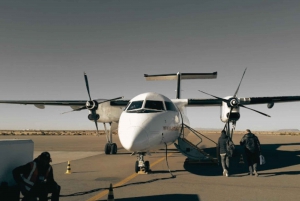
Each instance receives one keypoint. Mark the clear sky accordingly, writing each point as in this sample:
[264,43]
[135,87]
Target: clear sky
[45,46]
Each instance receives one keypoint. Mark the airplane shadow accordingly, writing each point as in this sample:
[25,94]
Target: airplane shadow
[165,171]
[189,197]
[275,159]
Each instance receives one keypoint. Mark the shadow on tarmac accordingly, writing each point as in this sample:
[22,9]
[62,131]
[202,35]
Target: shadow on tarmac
[189,197]
[275,159]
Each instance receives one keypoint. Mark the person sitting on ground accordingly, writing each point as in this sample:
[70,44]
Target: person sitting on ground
[35,179]
[222,147]
[252,151]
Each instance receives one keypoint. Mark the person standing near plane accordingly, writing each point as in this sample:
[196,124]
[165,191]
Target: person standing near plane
[222,147]
[35,179]
[252,151]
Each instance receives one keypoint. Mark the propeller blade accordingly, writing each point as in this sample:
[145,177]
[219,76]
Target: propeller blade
[97,127]
[254,110]
[225,100]
[87,85]
[78,109]
[111,99]
[235,94]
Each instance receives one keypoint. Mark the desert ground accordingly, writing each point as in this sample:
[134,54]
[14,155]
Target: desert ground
[102,132]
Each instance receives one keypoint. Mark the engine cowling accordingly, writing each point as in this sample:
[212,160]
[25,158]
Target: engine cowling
[225,110]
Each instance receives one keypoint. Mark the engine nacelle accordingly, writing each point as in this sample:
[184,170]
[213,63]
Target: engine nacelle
[106,113]
[270,105]
[225,110]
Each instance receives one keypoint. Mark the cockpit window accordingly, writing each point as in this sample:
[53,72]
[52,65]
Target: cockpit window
[156,105]
[170,106]
[135,105]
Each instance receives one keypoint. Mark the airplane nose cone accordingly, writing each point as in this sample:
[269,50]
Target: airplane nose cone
[134,139]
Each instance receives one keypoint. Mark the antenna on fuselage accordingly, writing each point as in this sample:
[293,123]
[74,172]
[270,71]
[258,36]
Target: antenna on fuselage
[179,76]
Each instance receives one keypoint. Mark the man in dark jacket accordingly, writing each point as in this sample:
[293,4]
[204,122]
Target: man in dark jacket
[222,147]
[35,179]
[252,151]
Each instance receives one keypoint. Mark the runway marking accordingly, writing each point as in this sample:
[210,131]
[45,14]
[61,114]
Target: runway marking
[127,179]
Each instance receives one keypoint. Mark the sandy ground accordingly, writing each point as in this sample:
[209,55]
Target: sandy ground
[93,171]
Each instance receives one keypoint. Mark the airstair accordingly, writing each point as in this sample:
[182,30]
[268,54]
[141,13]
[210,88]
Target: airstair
[192,151]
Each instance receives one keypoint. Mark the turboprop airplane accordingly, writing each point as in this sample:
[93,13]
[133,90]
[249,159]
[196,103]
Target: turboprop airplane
[152,121]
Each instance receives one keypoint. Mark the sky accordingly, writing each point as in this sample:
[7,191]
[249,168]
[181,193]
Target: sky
[46,46]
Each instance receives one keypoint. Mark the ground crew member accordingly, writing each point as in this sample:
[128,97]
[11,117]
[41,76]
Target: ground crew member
[222,147]
[252,151]
[35,179]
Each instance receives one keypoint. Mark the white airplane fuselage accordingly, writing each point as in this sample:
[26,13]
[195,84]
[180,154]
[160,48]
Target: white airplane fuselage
[153,124]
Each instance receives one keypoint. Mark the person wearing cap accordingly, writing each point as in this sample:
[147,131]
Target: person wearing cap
[222,147]
[252,151]
[35,179]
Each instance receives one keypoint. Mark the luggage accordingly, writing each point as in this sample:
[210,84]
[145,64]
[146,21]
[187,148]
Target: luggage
[262,160]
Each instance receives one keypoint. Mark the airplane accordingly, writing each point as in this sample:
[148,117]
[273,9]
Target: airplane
[152,121]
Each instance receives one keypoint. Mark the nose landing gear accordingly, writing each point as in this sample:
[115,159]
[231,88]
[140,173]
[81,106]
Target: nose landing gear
[141,166]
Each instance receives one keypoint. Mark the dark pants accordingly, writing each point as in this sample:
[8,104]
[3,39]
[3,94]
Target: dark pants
[225,161]
[41,191]
[252,160]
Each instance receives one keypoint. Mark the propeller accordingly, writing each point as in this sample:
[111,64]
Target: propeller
[92,105]
[234,101]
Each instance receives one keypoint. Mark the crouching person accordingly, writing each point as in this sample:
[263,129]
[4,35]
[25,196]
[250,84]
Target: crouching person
[35,179]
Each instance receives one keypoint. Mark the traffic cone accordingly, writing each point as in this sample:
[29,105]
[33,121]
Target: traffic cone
[241,159]
[110,196]
[68,168]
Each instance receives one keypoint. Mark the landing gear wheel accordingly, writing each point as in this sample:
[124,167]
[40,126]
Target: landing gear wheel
[107,148]
[137,168]
[114,148]
[147,166]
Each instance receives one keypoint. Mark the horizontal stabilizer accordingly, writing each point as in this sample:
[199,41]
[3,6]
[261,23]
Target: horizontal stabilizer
[174,76]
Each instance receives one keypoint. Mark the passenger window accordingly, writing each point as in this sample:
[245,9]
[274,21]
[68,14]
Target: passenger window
[135,105]
[156,105]
[170,106]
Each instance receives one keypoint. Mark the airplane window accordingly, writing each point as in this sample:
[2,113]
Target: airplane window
[127,106]
[170,106]
[156,105]
[135,105]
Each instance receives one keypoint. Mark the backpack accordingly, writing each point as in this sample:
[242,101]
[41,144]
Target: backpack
[251,144]
[230,148]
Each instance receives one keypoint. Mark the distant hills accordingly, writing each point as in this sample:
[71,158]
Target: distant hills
[289,130]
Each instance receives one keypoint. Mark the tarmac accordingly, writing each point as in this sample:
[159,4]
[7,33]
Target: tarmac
[92,171]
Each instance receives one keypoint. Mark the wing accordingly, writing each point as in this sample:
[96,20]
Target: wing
[245,101]
[74,104]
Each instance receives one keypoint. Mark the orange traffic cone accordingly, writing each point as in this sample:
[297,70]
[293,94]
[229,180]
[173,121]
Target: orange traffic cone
[68,168]
[110,196]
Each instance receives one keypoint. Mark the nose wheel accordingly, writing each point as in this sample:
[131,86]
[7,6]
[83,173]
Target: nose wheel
[141,166]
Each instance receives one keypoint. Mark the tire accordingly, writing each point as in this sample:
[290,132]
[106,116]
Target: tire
[137,168]
[107,148]
[147,166]
[114,148]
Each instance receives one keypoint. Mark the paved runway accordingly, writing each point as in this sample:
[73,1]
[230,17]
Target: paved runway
[93,171]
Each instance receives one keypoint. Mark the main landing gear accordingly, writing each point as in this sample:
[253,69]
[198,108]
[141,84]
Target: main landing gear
[227,128]
[110,147]
[141,166]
